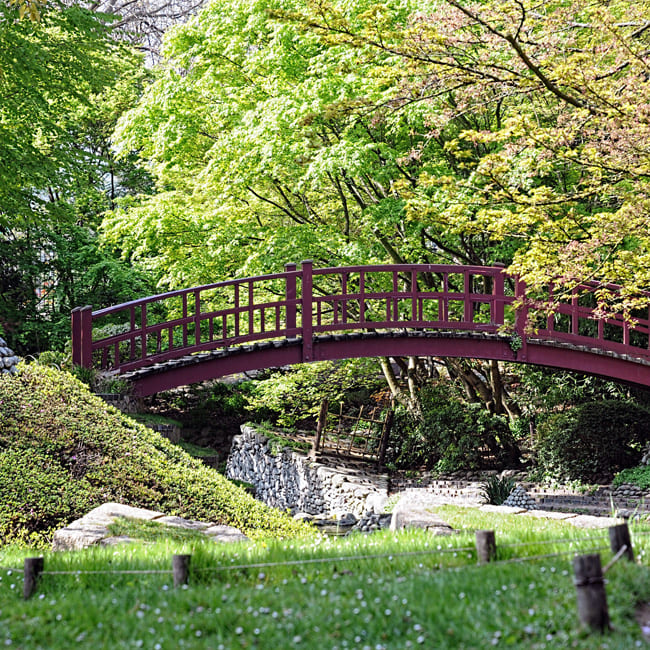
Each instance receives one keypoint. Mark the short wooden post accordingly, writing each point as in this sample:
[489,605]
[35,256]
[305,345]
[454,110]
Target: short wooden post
[619,536]
[33,568]
[181,566]
[486,546]
[590,589]
[320,426]
[383,443]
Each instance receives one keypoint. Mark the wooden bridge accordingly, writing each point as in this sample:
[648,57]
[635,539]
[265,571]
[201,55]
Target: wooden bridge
[305,314]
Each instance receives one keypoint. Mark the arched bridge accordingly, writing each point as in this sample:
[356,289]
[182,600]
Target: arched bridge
[304,314]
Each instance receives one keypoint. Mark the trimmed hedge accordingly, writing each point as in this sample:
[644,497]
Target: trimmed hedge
[593,441]
[64,451]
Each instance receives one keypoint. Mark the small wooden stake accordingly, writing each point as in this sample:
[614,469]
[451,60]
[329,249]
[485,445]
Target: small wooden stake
[320,426]
[33,567]
[619,536]
[181,566]
[590,588]
[486,546]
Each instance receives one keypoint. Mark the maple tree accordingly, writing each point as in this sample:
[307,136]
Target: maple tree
[512,132]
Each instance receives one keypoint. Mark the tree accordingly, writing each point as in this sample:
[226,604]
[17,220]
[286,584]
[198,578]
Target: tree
[64,81]
[419,132]
[270,141]
[544,108]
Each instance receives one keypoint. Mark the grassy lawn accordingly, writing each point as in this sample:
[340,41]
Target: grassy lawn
[417,591]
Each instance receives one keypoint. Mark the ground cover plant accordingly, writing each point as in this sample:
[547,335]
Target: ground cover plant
[389,590]
[63,451]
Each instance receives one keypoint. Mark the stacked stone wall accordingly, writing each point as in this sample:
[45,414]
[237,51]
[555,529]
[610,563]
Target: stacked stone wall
[289,480]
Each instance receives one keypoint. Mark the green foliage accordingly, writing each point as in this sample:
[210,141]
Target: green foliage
[65,80]
[279,440]
[635,475]
[593,440]
[497,489]
[451,435]
[208,403]
[292,397]
[88,453]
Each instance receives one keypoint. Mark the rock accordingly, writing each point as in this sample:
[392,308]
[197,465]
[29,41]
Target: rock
[519,498]
[92,529]
[225,534]
[8,360]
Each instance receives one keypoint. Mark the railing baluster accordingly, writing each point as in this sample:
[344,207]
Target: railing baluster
[143,330]
[251,309]
[290,295]
[468,308]
[497,312]
[197,317]
[184,320]
[133,337]
[362,297]
[416,309]
[237,310]
[443,305]
[575,329]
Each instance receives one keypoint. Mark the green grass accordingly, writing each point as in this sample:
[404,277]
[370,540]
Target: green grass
[152,531]
[153,419]
[196,451]
[416,592]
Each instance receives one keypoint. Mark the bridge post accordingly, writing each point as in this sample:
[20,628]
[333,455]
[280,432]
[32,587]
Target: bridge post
[521,319]
[290,296]
[498,291]
[307,295]
[82,336]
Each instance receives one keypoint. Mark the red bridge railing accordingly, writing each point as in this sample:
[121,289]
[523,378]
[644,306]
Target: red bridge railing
[303,303]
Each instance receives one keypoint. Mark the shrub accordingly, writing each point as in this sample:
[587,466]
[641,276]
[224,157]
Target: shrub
[64,451]
[592,441]
[496,490]
[452,435]
[636,476]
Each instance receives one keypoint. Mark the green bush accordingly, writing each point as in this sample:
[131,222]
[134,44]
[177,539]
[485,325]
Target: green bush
[64,451]
[451,435]
[496,490]
[635,475]
[592,441]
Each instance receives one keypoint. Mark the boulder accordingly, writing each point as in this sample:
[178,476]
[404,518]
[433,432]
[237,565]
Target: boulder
[92,529]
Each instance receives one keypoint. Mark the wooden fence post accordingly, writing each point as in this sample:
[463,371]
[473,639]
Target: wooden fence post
[486,546]
[320,426]
[33,568]
[619,536]
[383,443]
[180,567]
[590,591]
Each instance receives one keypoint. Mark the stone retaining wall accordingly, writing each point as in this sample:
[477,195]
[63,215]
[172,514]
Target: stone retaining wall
[289,480]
